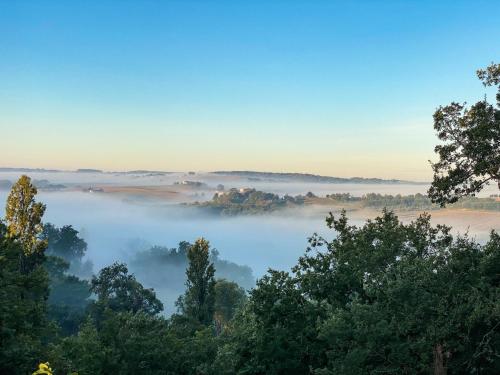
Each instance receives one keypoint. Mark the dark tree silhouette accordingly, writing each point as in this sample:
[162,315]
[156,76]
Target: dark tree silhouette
[470,156]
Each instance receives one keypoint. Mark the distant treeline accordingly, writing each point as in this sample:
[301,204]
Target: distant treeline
[251,201]
[40,184]
[415,202]
[150,266]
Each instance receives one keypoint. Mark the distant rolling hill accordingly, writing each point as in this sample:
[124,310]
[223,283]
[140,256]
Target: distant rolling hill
[306,177]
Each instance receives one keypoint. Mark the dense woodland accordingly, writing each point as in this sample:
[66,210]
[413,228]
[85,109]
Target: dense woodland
[385,297]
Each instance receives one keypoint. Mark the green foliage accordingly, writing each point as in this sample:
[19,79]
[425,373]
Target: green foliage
[69,296]
[470,155]
[385,297]
[163,255]
[199,299]
[127,343]
[275,333]
[252,202]
[229,297]
[163,267]
[135,343]
[239,274]
[24,217]
[64,242]
[248,201]
[399,202]
[196,352]
[438,299]
[23,323]
[416,202]
[403,291]
[83,353]
[118,291]
[382,298]
[23,282]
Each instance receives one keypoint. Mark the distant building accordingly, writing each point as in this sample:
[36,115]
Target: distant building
[246,190]
[91,189]
[190,183]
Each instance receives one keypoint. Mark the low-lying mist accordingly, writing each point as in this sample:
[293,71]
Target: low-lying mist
[117,228]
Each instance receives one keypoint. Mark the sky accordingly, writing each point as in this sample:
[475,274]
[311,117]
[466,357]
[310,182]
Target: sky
[341,88]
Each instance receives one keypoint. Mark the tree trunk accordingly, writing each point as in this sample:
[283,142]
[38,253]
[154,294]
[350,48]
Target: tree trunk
[438,365]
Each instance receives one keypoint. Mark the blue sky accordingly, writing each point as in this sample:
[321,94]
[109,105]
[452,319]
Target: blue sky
[336,88]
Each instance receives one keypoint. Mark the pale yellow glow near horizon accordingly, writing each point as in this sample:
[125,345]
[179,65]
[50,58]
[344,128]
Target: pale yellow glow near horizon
[391,152]
[400,166]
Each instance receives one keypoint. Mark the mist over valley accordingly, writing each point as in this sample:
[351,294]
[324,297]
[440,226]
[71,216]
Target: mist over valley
[121,215]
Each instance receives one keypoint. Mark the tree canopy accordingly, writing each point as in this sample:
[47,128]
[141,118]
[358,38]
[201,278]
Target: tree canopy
[118,290]
[64,242]
[23,216]
[199,300]
[385,297]
[469,158]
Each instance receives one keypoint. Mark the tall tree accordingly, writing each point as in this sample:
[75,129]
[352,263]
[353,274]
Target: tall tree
[199,301]
[24,222]
[23,321]
[23,281]
[470,156]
